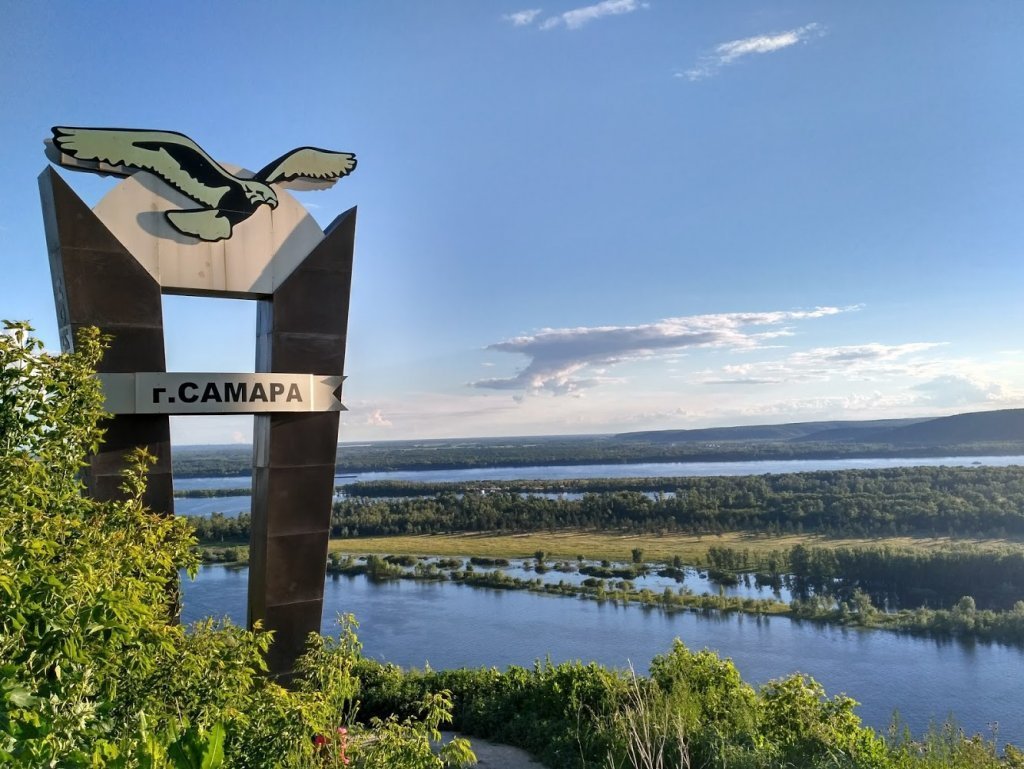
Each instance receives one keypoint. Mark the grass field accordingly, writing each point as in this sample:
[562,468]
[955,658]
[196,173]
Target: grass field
[618,547]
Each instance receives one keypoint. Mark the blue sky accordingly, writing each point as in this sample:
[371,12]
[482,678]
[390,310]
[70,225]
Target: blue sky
[584,218]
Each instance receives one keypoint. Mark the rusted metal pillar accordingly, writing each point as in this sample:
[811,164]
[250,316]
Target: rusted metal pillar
[301,328]
[97,282]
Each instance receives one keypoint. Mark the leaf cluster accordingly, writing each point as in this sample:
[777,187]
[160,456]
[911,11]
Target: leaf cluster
[694,710]
[95,671]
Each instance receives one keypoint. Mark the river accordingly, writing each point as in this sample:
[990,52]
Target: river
[449,625]
[234,505]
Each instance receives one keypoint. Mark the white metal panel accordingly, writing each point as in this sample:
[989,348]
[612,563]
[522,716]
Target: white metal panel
[262,251]
[158,392]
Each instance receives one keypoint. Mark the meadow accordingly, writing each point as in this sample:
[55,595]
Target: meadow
[613,546]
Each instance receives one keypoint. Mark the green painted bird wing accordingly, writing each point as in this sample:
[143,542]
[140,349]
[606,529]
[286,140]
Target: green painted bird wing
[172,156]
[308,168]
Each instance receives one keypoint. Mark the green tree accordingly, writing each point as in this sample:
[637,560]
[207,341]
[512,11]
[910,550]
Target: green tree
[862,604]
[93,672]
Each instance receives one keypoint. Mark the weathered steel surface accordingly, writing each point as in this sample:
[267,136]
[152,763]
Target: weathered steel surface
[301,328]
[98,283]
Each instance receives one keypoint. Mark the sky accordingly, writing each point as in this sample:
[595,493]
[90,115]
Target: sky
[584,218]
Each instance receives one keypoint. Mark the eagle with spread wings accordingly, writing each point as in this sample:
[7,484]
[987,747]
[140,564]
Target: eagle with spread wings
[224,198]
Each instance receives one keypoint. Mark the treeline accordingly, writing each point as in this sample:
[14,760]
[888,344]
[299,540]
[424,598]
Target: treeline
[888,578]
[223,461]
[929,501]
[939,501]
[891,578]
[995,482]
[221,528]
[963,619]
[211,493]
[898,578]
[961,501]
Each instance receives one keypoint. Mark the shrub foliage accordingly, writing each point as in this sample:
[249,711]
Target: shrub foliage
[94,671]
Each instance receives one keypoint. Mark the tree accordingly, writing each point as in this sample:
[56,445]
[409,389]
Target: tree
[92,671]
[862,604]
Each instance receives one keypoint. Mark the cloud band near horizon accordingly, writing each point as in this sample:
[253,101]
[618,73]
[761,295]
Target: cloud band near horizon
[558,355]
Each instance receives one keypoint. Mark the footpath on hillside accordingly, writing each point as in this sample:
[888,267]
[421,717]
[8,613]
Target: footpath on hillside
[491,755]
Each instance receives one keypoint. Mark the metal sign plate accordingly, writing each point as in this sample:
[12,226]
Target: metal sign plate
[206,393]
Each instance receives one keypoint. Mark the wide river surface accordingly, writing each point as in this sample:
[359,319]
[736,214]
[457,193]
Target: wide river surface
[235,505]
[449,625]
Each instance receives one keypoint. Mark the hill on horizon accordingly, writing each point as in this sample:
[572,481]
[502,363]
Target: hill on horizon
[1002,426]
[973,427]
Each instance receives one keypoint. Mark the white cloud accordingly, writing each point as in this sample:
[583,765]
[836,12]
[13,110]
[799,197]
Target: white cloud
[729,52]
[909,376]
[522,18]
[960,390]
[865,362]
[656,402]
[376,418]
[577,17]
[425,414]
[864,405]
[233,428]
[558,356]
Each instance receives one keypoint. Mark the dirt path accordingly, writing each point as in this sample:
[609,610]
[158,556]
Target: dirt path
[490,755]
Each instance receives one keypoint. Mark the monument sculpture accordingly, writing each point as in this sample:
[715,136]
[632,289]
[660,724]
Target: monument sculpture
[181,222]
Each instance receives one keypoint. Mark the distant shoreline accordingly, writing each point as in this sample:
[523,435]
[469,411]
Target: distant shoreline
[198,468]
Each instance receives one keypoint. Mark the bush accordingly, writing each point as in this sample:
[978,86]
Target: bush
[693,711]
[94,671]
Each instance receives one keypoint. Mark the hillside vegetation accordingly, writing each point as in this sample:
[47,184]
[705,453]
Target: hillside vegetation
[94,671]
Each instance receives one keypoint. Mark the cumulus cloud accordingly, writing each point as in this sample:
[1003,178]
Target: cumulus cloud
[376,418]
[577,17]
[959,390]
[522,18]
[727,53]
[559,356]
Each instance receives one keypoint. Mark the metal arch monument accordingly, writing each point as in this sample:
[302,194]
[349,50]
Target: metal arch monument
[182,223]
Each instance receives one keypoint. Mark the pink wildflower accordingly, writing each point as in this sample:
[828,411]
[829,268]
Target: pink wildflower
[342,744]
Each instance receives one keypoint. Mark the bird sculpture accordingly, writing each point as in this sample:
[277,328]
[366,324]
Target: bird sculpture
[225,199]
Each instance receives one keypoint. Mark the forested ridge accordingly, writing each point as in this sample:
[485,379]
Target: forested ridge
[229,461]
